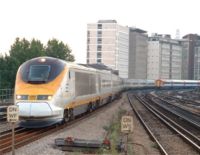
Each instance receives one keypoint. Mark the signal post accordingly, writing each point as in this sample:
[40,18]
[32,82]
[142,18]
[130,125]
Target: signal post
[13,117]
[126,128]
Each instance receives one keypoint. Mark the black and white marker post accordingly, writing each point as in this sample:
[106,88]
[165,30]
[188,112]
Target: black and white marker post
[12,118]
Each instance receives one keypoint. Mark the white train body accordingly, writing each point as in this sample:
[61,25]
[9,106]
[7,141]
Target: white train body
[66,91]
[50,90]
[138,83]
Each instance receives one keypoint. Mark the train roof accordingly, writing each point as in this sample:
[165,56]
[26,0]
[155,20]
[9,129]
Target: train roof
[87,67]
[173,80]
[97,66]
[100,67]
[149,80]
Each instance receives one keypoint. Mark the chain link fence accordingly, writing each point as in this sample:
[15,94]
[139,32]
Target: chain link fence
[6,96]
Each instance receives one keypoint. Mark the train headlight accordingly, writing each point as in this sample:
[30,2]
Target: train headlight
[42,60]
[22,97]
[44,97]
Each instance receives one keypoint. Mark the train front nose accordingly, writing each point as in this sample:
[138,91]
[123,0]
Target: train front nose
[34,110]
[40,114]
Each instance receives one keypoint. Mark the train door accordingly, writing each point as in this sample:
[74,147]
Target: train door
[71,83]
[99,83]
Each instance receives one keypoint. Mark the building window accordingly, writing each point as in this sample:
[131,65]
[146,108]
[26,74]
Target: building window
[88,34]
[98,60]
[98,55]
[99,26]
[99,34]
[88,54]
[88,47]
[99,40]
[88,40]
[88,61]
[99,47]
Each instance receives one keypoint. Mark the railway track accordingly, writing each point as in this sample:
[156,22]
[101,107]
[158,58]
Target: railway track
[178,112]
[186,125]
[169,139]
[25,136]
[187,104]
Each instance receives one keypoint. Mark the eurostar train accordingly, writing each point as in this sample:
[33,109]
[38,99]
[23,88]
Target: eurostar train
[138,83]
[49,90]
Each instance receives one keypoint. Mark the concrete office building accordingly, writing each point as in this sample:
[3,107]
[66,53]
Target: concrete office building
[164,58]
[191,57]
[185,59]
[119,47]
[138,46]
[197,61]
[108,43]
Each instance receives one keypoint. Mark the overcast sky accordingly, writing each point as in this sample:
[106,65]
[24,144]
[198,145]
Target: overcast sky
[66,20]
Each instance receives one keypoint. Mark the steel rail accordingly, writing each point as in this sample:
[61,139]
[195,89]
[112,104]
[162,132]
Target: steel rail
[189,120]
[35,135]
[161,148]
[191,135]
[170,123]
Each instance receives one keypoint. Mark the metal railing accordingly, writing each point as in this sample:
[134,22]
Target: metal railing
[6,96]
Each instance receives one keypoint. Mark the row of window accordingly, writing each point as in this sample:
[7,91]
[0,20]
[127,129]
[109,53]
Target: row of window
[106,83]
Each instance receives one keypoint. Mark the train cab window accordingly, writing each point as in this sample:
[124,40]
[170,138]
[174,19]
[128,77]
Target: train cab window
[38,73]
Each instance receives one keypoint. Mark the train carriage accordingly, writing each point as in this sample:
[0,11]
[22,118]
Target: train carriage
[50,90]
[176,83]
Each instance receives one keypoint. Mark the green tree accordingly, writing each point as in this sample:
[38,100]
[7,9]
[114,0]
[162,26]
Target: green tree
[12,64]
[19,49]
[36,49]
[8,68]
[23,50]
[2,68]
[59,50]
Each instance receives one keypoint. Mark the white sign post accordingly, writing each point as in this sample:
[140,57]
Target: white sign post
[127,124]
[126,127]
[12,117]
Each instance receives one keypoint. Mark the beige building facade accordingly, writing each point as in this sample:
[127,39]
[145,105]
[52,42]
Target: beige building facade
[164,60]
[108,44]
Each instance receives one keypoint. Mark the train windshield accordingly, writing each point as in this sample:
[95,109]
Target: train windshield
[38,73]
[41,70]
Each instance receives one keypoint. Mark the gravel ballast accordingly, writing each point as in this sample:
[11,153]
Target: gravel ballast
[91,128]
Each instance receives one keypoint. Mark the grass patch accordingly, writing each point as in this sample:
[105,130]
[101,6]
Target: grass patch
[114,132]
[155,145]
